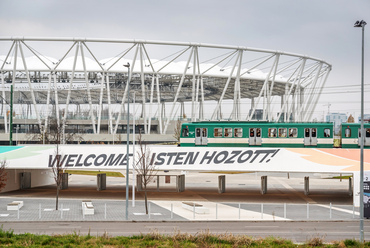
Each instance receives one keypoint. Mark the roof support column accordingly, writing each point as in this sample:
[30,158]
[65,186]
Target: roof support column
[3,106]
[47,105]
[109,103]
[56,99]
[151,103]
[201,105]
[178,91]
[126,89]
[159,104]
[143,89]
[263,91]
[88,91]
[31,89]
[269,100]
[69,93]
[218,107]
[100,103]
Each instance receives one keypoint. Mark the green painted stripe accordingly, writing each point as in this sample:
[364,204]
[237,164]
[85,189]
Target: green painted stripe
[4,149]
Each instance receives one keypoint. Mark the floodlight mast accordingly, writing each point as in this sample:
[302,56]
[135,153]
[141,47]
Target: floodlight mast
[361,24]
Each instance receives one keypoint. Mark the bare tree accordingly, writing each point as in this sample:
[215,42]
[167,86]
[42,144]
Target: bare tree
[3,174]
[144,168]
[57,166]
[52,136]
[177,130]
[351,119]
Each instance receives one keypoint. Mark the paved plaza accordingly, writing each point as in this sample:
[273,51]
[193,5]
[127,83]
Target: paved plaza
[329,199]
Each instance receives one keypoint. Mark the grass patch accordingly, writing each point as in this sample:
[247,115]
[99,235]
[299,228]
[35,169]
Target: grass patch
[343,177]
[94,173]
[155,239]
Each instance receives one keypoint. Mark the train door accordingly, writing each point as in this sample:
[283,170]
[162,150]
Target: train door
[366,138]
[255,138]
[201,136]
[310,136]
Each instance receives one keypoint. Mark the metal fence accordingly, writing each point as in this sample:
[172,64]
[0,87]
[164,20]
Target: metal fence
[72,210]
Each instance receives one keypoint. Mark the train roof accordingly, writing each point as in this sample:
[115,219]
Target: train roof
[254,122]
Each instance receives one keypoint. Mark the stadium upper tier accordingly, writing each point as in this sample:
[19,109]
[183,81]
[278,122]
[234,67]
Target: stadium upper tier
[58,73]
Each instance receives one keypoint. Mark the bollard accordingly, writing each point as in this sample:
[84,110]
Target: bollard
[171,211]
[216,211]
[239,211]
[149,210]
[105,211]
[40,211]
[262,211]
[61,212]
[284,210]
[193,210]
[353,211]
[308,210]
[330,210]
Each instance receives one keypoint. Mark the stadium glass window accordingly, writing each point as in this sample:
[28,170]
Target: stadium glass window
[185,132]
[238,132]
[228,132]
[282,132]
[272,132]
[217,132]
[347,133]
[293,132]
[326,132]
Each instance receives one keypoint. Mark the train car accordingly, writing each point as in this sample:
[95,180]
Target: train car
[350,133]
[256,134]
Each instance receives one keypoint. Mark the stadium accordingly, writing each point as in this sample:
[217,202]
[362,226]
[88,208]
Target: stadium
[81,85]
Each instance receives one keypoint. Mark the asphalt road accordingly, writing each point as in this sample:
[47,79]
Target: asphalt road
[297,232]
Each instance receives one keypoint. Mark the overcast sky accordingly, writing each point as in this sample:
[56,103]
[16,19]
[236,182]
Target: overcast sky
[318,28]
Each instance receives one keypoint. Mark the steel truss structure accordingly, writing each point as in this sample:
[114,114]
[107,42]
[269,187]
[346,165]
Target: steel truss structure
[77,74]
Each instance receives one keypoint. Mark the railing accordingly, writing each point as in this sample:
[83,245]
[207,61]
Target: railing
[71,210]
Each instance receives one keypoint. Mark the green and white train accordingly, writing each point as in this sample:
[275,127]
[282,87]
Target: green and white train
[270,134]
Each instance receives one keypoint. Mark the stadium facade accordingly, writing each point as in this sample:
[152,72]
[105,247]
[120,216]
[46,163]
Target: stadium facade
[81,84]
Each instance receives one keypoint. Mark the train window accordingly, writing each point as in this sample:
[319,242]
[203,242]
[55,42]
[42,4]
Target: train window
[326,132]
[282,132]
[217,132]
[204,132]
[293,132]
[367,132]
[228,132]
[359,132]
[258,132]
[238,132]
[251,132]
[185,132]
[197,132]
[313,132]
[306,132]
[347,133]
[272,132]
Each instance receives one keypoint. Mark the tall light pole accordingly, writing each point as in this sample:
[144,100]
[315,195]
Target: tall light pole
[361,24]
[128,135]
[11,117]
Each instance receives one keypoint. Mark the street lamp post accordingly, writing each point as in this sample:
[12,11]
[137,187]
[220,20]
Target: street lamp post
[361,24]
[11,117]
[128,135]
